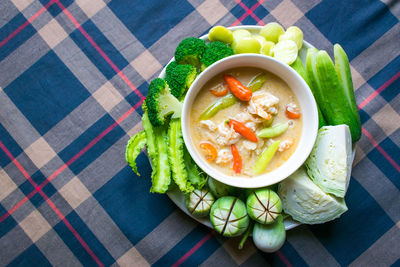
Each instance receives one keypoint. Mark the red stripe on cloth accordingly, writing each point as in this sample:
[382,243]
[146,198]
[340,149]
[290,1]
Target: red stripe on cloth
[379,90]
[380,149]
[26,23]
[248,12]
[193,249]
[72,160]
[51,204]
[101,52]
[284,259]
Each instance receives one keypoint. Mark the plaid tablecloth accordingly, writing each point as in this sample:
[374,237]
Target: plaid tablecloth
[73,76]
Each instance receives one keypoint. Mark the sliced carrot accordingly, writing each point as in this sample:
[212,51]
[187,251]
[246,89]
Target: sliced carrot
[210,150]
[219,90]
[237,88]
[243,130]
[237,159]
[292,114]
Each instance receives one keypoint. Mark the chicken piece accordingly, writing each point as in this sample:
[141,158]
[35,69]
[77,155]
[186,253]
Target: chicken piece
[249,145]
[263,104]
[285,144]
[252,125]
[260,146]
[226,135]
[224,156]
[209,124]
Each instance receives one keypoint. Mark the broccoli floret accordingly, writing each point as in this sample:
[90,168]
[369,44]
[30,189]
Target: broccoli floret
[189,51]
[161,103]
[214,52]
[179,78]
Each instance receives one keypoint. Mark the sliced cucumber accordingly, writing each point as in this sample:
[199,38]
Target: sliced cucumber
[285,51]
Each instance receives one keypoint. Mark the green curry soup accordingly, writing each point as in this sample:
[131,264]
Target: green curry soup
[273,105]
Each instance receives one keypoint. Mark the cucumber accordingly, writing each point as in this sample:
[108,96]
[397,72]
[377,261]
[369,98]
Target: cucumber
[313,83]
[342,67]
[335,105]
[298,66]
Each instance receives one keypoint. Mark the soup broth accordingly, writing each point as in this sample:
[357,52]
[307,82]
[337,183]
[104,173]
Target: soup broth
[272,100]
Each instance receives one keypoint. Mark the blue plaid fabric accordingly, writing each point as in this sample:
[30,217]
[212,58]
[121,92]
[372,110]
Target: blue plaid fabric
[73,75]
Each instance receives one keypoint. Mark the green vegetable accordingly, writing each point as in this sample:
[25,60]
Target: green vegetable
[214,52]
[239,34]
[336,107]
[259,38]
[179,78]
[295,34]
[264,206]
[266,157]
[228,216]
[176,158]
[135,144]
[269,237]
[314,83]
[329,164]
[220,33]
[342,67]
[247,45]
[266,48]
[257,82]
[219,189]
[150,138]
[161,103]
[199,202]
[189,51]
[220,104]
[298,66]
[285,51]
[268,123]
[306,202]
[196,177]
[246,235]
[161,175]
[272,31]
[273,131]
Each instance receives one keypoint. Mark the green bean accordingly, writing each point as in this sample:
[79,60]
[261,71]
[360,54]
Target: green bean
[222,103]
[268,123]
[273,131]
[266,157]
[257,82]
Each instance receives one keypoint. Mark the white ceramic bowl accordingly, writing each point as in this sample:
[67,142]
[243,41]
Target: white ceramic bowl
[299,88]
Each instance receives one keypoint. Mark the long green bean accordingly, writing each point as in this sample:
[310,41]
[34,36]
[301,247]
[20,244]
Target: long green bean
[257,82]
[221,104]
[266,157]
[273,131]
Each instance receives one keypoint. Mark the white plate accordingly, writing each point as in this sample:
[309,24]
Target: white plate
[177,196]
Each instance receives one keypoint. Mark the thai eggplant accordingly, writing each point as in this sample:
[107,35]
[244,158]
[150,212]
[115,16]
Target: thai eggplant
[199,202]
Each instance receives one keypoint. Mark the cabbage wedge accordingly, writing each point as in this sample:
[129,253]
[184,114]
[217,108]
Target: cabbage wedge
[329,164]
[306,202]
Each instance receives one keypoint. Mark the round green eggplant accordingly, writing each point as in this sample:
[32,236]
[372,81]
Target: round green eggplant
[199,202]
[264,206]
[229,217]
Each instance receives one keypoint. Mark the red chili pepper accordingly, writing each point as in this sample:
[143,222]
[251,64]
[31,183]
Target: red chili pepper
[243,130]
[237,88]
[291,114]
[237,159]
[211,151]
[219,90]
